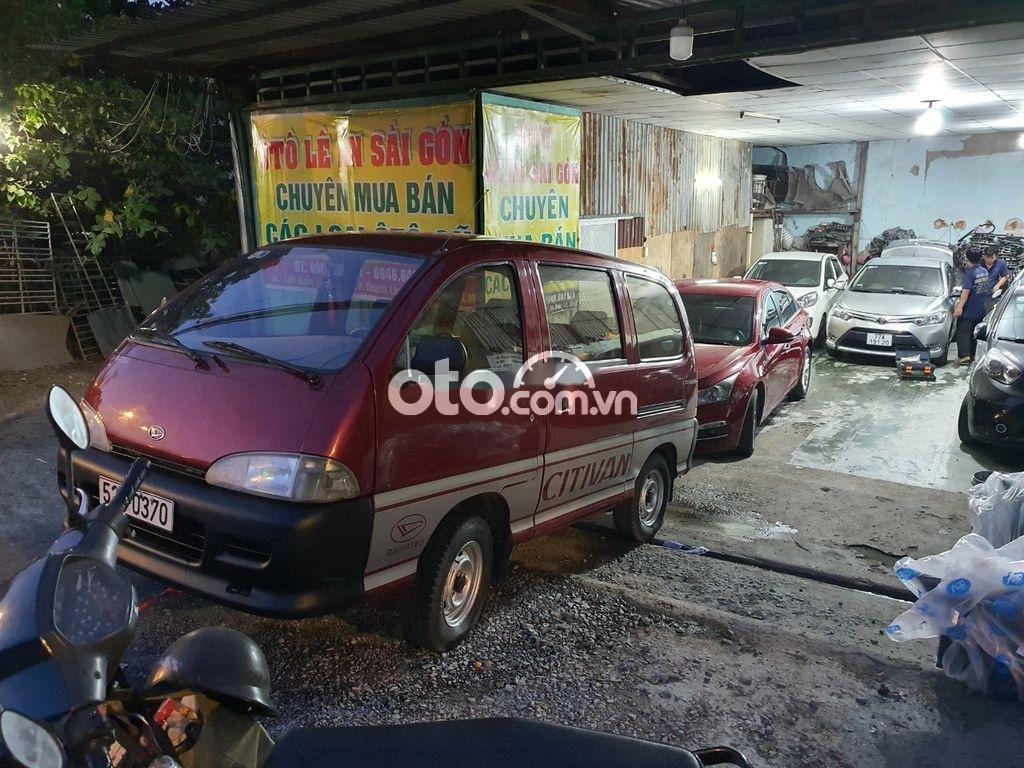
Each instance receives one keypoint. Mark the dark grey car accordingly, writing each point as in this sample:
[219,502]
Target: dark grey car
[993,410]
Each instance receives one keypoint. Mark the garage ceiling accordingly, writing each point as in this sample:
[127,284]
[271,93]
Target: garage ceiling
[846,93]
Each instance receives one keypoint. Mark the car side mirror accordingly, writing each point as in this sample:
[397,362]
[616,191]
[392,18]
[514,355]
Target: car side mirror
[831,283]
[779,335]
[955,292]
[432,350]
[981,331]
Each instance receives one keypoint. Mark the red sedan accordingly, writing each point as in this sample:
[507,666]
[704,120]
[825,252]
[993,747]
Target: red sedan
[753,352]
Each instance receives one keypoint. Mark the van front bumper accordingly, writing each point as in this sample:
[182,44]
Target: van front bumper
[263,556]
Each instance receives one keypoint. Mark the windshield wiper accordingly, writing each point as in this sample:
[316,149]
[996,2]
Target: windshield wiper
[1009,338]
[289,309]
[242,351]
[163,337]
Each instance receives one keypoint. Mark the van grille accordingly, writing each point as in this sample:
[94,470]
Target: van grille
[185,543]
[165,464]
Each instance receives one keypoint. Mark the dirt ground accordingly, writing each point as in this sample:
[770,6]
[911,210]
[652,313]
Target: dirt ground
[646,641]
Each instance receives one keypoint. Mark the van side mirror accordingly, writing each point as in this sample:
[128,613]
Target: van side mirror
[67,419]
[981,331]
[779,335]
[433,349]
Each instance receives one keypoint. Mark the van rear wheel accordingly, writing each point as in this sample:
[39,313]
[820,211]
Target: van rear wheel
[641,519]
[452,582]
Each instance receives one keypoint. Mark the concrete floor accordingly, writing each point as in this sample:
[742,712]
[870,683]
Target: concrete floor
[647,641]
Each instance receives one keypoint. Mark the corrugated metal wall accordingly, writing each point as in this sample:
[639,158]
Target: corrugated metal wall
[649,171]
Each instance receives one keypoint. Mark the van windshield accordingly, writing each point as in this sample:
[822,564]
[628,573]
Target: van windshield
[308,306]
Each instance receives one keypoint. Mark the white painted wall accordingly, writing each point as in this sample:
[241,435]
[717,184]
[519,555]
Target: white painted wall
[912,182]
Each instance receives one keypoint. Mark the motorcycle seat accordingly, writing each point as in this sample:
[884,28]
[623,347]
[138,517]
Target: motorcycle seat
[485,743]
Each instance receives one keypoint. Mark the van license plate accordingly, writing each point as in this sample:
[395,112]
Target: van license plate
[154,510]
[880,339]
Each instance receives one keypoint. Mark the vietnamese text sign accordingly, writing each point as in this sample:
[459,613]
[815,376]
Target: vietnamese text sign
[409,168]
[531,171]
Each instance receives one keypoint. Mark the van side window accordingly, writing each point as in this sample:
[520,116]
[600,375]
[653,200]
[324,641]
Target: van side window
[580,307]
[659,331]
[480,307]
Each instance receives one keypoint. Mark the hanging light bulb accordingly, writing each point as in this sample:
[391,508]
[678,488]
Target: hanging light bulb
[929,122]
[680,41]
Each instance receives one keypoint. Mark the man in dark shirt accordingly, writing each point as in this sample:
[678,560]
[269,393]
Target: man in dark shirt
[972,307]
[998,273]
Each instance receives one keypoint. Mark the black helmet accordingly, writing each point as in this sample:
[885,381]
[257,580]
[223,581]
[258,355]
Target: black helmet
[222,663]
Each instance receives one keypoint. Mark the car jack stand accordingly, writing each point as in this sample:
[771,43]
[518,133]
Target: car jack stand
[915,364]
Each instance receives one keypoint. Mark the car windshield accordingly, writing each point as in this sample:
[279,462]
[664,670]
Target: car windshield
[307,306]
[1011,324]
[795,273]
[898,278]
[720,319]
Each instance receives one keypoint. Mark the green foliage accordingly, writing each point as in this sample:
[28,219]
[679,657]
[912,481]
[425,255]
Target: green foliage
[145,160]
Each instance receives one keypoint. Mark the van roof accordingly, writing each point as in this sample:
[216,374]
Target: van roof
[429,245]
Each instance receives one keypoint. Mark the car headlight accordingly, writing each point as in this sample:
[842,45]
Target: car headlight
[842,313]
[97,432]
[717,393]
[999,367]
[808,299]
[935,318]
[292,476]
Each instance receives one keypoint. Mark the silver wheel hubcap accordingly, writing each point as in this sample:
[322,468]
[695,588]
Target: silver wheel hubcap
[807,370]
[652,495]
[462,584]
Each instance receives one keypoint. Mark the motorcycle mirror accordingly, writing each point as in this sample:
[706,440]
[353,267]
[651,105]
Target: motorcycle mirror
[67,419]
[30,744]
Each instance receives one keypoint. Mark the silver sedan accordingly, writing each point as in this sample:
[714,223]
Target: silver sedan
[896,303]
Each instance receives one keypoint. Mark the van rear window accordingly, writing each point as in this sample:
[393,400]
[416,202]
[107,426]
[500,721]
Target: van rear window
[308,306]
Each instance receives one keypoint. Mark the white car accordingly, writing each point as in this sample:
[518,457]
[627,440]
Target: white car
[814,279]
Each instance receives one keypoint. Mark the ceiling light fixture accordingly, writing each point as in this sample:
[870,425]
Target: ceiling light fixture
[760,116]
[930,121]
[680,41]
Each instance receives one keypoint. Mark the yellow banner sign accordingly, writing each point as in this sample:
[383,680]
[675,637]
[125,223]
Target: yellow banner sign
[531,171]
[409,168]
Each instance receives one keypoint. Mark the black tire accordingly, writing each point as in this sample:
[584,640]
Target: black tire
[819,341]
[803,382]
[962,426]
[430,624]
[942,359]
[745,449]
[641,518]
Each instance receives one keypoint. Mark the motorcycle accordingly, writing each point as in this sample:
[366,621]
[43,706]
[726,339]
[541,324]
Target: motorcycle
[65,701]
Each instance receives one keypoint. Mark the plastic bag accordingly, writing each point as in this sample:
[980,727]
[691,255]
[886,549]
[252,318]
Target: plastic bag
[973,594]
[997,507]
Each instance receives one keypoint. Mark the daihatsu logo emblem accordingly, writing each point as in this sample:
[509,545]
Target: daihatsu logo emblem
[407,528]
[156,432]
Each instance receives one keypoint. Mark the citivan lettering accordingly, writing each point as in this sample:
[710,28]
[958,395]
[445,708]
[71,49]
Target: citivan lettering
[585,475]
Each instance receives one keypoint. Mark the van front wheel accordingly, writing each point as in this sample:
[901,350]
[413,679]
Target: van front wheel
[641,519]
[452,582]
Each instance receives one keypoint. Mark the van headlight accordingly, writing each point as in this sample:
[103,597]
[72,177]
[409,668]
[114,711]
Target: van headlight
[296,477]
[717,393]
[999,367]
[808,299]
[97,432]
[842,313]
[935,318]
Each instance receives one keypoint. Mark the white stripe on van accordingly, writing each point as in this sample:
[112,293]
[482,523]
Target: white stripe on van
[388,575]
[393,498]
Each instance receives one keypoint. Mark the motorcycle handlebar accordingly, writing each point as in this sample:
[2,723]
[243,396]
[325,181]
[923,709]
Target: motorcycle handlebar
[115,516]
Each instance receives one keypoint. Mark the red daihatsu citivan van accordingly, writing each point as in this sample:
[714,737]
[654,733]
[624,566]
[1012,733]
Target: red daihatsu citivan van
[345,414]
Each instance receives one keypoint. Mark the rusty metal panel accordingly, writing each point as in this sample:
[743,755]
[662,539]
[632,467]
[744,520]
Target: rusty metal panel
[674,179]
